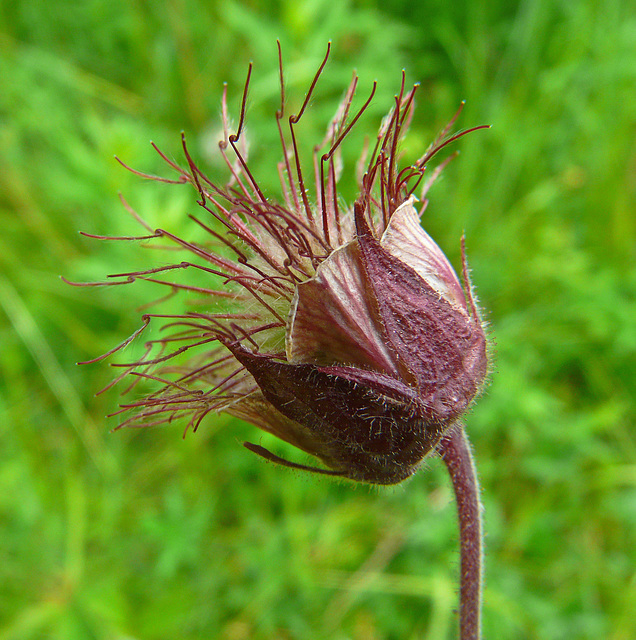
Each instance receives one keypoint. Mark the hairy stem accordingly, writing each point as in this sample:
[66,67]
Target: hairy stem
[454,450]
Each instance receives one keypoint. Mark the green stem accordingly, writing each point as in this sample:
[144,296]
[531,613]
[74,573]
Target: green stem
[454,450]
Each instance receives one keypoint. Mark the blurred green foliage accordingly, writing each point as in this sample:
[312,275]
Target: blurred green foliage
[145,535]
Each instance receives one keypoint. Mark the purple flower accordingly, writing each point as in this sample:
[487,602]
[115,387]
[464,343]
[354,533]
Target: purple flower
[342,330]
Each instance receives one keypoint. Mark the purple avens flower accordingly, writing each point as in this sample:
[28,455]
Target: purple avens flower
[343,330]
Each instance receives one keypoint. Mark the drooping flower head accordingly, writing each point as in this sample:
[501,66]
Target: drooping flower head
[343,330]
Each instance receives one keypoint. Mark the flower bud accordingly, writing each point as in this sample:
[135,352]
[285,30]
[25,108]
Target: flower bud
[347,333]
[415,358]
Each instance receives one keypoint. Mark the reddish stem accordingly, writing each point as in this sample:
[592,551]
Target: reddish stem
[455,451]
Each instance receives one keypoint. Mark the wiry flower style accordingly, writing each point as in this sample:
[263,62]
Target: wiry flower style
[343,331]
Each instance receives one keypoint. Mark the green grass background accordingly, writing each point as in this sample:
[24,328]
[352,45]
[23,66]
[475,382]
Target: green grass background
[143,535]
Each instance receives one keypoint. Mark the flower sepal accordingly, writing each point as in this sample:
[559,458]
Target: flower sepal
[363,425]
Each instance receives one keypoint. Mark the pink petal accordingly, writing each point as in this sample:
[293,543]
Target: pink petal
[334,317]
[406,240]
